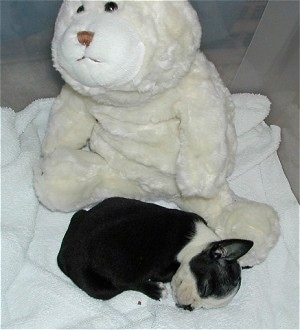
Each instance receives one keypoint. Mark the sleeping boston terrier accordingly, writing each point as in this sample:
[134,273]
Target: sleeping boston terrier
[124,244]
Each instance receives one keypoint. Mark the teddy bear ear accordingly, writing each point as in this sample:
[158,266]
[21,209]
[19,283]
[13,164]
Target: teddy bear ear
[180,17]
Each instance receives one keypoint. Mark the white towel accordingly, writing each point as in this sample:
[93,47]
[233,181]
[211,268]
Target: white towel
[251,110]
[256,140]
[36,294]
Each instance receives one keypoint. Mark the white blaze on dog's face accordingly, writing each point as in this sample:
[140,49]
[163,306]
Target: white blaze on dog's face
[211,278]
[124,45]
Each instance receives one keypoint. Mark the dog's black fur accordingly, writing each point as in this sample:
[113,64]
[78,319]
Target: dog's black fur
[124,244]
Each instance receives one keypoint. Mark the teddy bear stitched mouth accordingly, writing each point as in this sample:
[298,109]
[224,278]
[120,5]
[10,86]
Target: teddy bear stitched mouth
[89,58]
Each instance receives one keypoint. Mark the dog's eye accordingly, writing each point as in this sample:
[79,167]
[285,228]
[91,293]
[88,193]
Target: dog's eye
[111,6]
[80,9]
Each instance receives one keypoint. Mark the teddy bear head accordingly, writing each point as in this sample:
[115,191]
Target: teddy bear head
[135,46]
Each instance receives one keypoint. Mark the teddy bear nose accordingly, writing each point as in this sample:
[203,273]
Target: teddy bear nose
[85,37]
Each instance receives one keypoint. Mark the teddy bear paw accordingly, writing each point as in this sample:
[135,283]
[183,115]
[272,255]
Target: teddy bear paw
[253,221]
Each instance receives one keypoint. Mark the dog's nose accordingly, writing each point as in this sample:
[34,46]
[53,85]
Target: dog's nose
[186,307]
[85,37]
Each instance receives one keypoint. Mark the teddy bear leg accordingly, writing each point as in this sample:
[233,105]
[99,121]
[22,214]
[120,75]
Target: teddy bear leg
[233,217]
[68,180]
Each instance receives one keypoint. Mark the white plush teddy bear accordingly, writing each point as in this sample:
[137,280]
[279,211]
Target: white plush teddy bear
[144,115]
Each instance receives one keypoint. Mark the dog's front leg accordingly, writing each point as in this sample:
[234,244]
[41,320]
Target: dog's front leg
[154,290]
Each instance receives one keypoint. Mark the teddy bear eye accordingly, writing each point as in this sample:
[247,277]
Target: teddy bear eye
[80,9]
[110,6]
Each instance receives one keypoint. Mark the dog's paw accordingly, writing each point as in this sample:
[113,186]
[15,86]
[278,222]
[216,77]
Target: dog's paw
[164,291]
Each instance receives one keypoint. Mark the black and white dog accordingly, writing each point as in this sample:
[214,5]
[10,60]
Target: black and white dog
[124,244]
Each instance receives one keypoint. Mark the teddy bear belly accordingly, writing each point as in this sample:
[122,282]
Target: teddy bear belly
[140,152]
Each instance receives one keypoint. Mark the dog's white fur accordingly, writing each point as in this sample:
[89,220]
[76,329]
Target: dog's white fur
[160,126]
[184,287]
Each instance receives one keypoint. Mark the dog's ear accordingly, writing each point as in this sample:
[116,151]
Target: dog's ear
[230,249]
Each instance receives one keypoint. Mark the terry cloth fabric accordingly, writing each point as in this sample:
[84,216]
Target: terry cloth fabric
[36,294]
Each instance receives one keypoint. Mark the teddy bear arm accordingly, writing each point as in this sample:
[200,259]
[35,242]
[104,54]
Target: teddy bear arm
[206,148]
[199,175]
[70,124]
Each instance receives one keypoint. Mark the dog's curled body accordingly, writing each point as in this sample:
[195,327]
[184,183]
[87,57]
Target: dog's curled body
[124,244]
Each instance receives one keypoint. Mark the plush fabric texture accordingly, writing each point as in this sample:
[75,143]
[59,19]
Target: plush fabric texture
[145,115]
[36,294]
